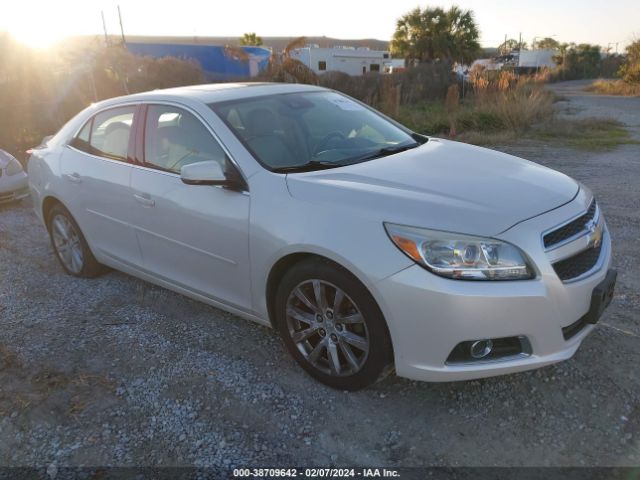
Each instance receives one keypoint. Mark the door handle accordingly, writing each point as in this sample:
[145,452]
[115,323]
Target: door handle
[144,199]
[73,177]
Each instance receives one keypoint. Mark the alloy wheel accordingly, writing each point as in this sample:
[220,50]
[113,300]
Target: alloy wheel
[327,327]
[66,241]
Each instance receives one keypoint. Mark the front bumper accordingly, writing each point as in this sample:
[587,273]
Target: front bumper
[14,187]
[429,315]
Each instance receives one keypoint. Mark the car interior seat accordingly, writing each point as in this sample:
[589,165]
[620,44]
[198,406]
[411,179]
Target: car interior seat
[116,140]
[261,135]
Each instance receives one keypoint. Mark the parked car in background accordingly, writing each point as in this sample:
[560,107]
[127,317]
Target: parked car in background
[366,245]
[13,179]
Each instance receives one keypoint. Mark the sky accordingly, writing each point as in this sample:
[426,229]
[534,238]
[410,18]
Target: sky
[41,23]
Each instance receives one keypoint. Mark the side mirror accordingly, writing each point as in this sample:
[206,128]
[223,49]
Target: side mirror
[203,173]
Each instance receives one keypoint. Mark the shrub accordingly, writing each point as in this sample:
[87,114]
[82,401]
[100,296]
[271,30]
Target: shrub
[630,71]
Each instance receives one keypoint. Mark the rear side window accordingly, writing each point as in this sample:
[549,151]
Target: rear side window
[107,134]
[82,139]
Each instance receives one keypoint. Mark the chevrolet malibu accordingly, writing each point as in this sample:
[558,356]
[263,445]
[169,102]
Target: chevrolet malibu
[367,246]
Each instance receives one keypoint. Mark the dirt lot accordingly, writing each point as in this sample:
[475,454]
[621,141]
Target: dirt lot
[115,371]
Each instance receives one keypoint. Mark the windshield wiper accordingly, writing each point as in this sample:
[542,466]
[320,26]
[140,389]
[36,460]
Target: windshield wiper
[310,166]
[381,152]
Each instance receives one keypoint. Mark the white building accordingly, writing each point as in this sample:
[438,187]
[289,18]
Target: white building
[350,60]
[537,58]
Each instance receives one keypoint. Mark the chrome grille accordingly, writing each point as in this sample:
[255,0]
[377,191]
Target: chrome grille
[571,229]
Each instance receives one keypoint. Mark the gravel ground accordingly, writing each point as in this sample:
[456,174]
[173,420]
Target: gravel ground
[115,371]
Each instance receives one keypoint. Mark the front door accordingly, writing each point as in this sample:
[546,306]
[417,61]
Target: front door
[193,236]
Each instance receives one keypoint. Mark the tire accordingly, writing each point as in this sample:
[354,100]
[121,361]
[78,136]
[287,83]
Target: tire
[76,259]
[341,340]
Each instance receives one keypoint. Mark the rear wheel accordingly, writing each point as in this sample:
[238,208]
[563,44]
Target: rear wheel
[70,245]
[332,325]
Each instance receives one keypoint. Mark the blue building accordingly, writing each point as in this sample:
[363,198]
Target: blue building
[218,62]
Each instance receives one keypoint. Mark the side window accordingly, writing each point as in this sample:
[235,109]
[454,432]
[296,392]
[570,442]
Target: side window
[81,141]
[175,137]
[110,132]
[107,133]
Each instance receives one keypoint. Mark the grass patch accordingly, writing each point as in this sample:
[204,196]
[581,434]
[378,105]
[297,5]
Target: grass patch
[615,87]
[485,118]
[502,118]
[488,139]
[596,134]
[506,110]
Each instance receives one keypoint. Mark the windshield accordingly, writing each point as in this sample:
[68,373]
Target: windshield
[311,129]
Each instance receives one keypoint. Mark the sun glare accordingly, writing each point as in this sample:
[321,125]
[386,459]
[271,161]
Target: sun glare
[36,39]
[32,24]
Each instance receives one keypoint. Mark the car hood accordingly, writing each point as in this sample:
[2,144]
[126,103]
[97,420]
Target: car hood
[441,185]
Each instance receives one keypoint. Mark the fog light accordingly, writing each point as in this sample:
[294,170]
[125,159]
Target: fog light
[489,350]
[481,348]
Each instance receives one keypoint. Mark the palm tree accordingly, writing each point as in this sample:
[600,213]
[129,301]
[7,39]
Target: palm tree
[251,40]
[435,34]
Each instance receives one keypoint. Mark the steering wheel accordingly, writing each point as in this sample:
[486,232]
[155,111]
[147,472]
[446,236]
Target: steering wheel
[324,143]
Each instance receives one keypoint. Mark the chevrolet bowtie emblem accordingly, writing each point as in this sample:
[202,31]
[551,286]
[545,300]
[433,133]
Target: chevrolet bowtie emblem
[595,233]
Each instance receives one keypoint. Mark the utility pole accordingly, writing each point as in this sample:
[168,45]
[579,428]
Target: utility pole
[125,85]
[121,27]
[104,27]
[520,42]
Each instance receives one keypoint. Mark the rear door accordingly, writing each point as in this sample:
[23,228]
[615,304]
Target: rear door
[96,169]
[193,236]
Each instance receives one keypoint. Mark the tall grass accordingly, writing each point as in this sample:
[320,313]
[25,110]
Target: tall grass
[615,87]
[499,104]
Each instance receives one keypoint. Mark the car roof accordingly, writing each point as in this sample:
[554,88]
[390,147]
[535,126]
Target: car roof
[215,92]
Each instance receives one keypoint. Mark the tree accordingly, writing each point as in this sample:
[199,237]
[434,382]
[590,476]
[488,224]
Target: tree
[284,68]
[433,34]
[251,39]
[579,61]
[546,43]
[40,91]
[510,45]
[630,70]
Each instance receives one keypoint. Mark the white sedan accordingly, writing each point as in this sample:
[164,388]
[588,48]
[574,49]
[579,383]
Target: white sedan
[367,246]
[13,180]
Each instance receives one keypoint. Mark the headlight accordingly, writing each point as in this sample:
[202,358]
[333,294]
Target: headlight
[14,167]
[460,256]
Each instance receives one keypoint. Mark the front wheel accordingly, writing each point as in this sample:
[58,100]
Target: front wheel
[332,325]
